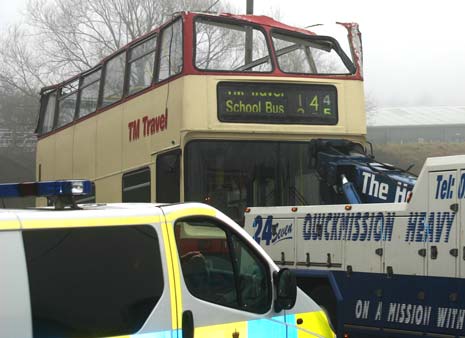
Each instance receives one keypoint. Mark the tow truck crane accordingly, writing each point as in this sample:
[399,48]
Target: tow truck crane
[384,253]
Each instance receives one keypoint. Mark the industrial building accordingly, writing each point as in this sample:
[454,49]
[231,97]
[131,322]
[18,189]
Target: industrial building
[416,125]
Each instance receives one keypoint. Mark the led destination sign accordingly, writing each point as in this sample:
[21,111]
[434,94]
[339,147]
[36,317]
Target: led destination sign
[277,103]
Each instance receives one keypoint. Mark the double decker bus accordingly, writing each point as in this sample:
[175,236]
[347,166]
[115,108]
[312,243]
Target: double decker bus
[216,108]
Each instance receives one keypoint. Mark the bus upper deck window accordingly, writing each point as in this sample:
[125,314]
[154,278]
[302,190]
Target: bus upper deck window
[89,93]
[309,55]
[48,114]
[114,79]
[141,62]
[230,47]
[67,103]
[171,51]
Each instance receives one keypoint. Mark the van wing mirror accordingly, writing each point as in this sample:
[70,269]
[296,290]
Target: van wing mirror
[286,290]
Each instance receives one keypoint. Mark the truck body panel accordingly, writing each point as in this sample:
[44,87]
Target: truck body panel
[393,269]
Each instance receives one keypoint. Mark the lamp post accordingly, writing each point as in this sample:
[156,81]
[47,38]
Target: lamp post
[249,9]
[248,35]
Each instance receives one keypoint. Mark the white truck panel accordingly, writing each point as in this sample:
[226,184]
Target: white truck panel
[440,227]
[392,267]
[461,196]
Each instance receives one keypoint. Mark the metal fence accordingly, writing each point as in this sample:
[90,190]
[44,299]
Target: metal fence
[21,140]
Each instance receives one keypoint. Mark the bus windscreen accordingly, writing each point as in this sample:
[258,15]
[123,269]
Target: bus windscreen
[318,55]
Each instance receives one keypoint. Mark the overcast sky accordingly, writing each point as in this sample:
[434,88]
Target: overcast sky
[10,11]
[414,50]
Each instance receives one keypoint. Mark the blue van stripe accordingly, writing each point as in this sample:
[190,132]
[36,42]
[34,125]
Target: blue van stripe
[291,328]
[266,328]
[158,334]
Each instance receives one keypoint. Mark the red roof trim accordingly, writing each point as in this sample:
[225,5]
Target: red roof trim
[264,20]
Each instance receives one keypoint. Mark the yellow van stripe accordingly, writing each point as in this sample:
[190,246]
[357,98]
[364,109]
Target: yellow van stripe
[9,224]
[88,222]
[171,278]
[314,322]
[174,215]
[176,272]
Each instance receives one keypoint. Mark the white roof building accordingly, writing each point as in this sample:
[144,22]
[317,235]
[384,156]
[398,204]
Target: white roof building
[416,116]
[416,124]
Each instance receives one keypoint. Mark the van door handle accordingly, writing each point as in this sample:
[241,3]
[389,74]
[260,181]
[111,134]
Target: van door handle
[187,324]
[434,252]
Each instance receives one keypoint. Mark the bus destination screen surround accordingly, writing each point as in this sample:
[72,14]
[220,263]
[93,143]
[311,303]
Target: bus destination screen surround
[277,103]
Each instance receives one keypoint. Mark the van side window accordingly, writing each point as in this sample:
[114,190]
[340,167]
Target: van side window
[220,268]
[92,282]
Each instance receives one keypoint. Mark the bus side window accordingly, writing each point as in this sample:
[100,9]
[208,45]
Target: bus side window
[171,51]
[168,177]
[136,185]
[113,82]
[220,268]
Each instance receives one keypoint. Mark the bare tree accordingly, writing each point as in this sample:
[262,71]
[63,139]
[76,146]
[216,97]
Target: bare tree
[20,69]
[63,37]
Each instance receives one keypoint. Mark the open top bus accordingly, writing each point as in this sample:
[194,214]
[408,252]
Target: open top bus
[211,108]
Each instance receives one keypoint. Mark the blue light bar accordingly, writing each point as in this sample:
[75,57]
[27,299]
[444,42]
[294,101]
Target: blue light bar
[46,188]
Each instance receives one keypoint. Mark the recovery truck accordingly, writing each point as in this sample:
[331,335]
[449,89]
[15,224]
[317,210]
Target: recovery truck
[384,253]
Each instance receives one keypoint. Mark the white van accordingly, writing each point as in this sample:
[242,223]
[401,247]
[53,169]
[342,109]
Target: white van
[142,270]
